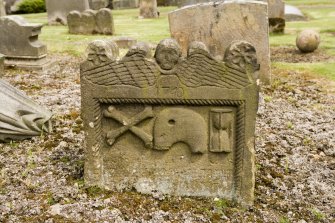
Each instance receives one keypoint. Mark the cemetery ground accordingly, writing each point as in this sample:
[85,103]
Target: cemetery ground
[41,180]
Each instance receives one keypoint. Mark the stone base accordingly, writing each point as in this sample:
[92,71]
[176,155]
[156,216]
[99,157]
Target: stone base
[41,64]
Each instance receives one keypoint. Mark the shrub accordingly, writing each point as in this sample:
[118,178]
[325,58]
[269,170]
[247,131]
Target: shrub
[31,6]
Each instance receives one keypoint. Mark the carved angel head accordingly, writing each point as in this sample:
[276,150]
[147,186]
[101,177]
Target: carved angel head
[167,54]
[100,51]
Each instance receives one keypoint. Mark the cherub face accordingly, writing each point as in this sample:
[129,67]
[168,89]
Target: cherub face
[167,58]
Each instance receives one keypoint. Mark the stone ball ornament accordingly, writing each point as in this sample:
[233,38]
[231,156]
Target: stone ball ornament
[308,41]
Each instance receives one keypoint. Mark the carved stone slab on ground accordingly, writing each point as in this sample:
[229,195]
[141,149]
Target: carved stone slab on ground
[168,124]
[148,9]
[20,117]
[91,22]
[59,9]
[20,45]
[219,23]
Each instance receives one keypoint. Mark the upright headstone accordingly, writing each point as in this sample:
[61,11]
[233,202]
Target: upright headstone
[20,117]
[20,44]
[276,11]
[98,4]
[90,22]
[171,125]
[59,9]
[219,23]
[148,9]
[2,8]
[125,4]
[2,65]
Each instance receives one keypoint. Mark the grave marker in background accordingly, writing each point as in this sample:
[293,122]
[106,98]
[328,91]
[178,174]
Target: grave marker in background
[2,8]
[217,24]
[148,9]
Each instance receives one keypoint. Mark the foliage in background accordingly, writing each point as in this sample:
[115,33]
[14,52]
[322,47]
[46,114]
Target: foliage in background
[32,6]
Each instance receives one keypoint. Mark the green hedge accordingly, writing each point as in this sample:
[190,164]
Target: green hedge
[32,6]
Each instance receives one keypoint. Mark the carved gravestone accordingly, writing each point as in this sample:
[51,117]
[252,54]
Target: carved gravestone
[276,11]
[171,125]
[20,117]
[90,22]
[20,45]
[148,9]
[59,9]
[2,8]
[98,4]
[2,65]
[219,23]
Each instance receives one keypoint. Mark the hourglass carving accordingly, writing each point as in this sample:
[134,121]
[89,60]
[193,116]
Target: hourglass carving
[221,130]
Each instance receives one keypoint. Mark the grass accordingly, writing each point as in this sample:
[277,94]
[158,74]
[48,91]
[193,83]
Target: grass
[321,18]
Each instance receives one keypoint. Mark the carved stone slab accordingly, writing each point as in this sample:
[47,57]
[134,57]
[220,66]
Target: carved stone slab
[20,117]
[219,23]
[91,22]
[20,45]
[59,9]
[168,124]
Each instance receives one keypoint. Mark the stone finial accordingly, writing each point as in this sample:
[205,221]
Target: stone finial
[20,117]
[174,125]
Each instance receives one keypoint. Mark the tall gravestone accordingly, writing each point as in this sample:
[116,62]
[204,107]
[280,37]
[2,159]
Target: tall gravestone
[148,9]
[91,22]
[219,23]
[171,125]
[59,9]
[2,8]
[20,45]
[20,117]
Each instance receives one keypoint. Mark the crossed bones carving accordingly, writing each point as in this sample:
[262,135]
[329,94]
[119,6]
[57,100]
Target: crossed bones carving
[129,124]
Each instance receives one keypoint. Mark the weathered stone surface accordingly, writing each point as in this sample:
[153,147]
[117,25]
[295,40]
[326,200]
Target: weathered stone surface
[308,40]
[59,9]
[2,8]
[292,13]
[2,64]
[20,44]
[168,124]
[219,23]
[20,117]
[126,4]
[148,9]
[98,4]
[276,11]
[90,22]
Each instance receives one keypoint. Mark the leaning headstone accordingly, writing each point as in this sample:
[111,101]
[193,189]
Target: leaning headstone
[2,65]
[125,4]
[2,8]
[90,22]
[292,13]
[171,125]
[98,4]
[148,9]
[20,117]
[59,9]
[20,44]
[219,23]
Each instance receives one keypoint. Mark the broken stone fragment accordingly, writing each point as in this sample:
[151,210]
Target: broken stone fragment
[20,117]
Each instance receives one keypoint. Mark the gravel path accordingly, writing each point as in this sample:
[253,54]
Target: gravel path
[41,180]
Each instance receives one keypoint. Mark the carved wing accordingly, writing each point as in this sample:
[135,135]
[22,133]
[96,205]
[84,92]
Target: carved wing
[134,70]
[200,69]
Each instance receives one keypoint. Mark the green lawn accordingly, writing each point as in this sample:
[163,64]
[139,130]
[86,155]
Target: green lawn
[321,17]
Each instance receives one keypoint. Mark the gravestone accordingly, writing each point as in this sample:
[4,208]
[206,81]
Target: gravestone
[182,3]
[219,23]
[91,22]
[2,65]
[292,13]
[171,125]
[20,117]
[148,9]
[125,4]
[276,10]
[20,45]
[98,4]
[59,9]
[2,8]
